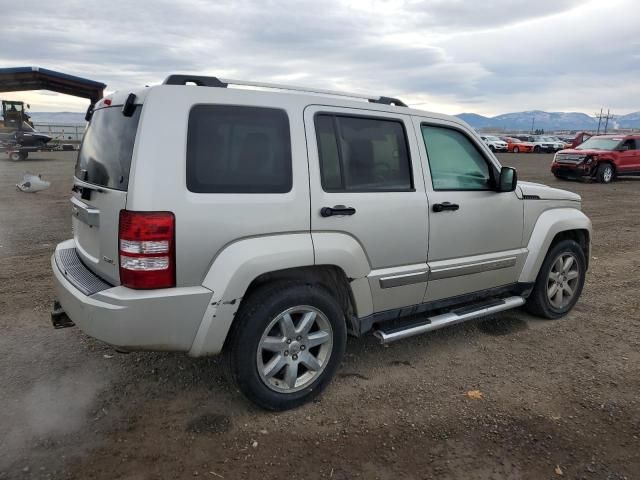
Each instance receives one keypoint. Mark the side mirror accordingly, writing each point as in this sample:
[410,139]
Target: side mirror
[508,180]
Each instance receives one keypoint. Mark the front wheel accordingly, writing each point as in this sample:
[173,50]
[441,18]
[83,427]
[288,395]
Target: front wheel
[560,281]
[536,149]
[16,156]
[605,173]
[287,344]
[516,150]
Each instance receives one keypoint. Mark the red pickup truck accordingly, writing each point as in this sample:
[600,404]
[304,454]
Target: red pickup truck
[602,157]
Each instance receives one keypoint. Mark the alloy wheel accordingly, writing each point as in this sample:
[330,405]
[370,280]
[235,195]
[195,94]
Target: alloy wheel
[294,349]
[562,280]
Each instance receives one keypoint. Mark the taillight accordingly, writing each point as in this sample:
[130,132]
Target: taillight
[147,249]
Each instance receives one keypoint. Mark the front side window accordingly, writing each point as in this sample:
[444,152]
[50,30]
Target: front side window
[237,149]
[455,163]
[362,154]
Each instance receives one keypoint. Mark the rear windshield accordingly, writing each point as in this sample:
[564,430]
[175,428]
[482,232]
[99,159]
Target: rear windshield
[107,147]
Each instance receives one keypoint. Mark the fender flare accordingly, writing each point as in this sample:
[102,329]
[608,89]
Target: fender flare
[548,225]
[241,262]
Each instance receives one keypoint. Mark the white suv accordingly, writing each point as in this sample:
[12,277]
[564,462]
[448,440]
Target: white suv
[270,224]
[494,143]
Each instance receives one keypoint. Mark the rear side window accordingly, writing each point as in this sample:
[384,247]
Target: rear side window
[235,149]
[362,154]
[107,147]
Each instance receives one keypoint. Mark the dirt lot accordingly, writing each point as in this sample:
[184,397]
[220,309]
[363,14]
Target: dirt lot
[561,399]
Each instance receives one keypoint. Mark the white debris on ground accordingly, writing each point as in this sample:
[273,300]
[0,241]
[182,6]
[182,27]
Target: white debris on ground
[32,183]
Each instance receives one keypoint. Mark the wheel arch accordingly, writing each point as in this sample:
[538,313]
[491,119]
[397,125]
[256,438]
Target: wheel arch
[245,265]
[552,227]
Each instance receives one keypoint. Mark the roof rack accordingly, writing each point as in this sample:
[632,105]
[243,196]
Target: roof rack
[203,81]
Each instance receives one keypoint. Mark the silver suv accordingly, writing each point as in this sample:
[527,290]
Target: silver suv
[270,223]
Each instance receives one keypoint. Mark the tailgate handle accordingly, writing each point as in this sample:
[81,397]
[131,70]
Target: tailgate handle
[85,213]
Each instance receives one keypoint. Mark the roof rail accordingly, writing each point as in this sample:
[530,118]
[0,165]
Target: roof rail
[202,81]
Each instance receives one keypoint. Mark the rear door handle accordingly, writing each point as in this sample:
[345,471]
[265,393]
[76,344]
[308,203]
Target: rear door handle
[337,210]
[441,207]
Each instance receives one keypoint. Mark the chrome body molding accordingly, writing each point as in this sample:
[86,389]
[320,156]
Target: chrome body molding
[471,268]
[403,279]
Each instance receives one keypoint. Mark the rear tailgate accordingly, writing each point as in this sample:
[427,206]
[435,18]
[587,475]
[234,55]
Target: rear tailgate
[100,188]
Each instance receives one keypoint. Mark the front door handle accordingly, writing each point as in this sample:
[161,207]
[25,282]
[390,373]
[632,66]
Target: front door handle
[337,210]
[441,207]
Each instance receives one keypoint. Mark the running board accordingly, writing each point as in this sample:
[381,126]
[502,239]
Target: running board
[457,315]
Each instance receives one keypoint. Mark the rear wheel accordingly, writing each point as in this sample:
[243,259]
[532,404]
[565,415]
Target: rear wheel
[287,344]
[516,150]
[536,149]
[560,281]
[604,173]
[16,156]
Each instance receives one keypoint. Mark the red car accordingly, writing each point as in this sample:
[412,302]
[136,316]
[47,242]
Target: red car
[516,146]
[601,157]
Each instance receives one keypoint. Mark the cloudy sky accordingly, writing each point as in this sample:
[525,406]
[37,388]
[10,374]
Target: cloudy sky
[451,56]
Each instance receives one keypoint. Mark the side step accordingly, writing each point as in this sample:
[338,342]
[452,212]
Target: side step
[459,315]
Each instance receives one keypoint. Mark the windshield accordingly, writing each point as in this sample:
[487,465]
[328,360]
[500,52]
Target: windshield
[601,143]
[107,147]
[492,138]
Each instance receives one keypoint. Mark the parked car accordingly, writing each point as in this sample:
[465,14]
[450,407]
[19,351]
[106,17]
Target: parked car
[540,145]
[515,145]
[26,137]
[555,141]
[269,225]
[494,143]
[578,139]
[601,157]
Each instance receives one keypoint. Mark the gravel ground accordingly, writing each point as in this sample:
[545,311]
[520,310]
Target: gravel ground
[560,399]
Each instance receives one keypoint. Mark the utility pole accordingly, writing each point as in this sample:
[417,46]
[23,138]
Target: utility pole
[533,122]
[599,120]
[607,121]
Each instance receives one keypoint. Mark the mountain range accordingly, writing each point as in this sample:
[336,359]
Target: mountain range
[548,121]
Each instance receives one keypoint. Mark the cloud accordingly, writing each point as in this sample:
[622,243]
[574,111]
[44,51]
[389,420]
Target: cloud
[494,56]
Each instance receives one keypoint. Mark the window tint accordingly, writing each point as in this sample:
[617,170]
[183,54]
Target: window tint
[232,149]
[634,144]
[107,147]
[454,161]
[362,154]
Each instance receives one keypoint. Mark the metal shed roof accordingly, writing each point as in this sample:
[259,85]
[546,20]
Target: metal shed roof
[34,78]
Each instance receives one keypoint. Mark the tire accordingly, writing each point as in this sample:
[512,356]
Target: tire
[516,150]
[536,149]
[265,348]
[549,298]
[605,173]
[16,156]
[492,148]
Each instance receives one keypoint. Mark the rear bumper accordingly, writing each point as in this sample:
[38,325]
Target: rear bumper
[164,319]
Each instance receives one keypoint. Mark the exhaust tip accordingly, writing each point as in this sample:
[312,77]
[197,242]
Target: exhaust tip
[59,318]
